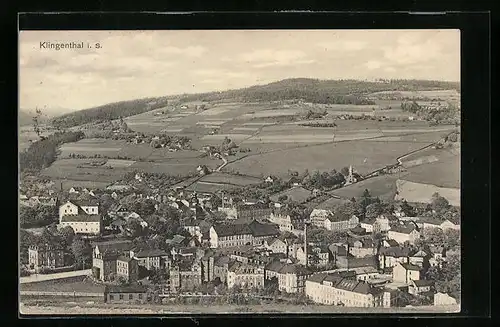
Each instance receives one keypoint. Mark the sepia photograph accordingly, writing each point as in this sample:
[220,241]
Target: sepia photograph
[169,172]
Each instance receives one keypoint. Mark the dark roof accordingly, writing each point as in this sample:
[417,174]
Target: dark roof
[317,278]
[125,289]
[355,286]
[85,202]
[295,269]
[275,266]
[259,229]
[119,222]
[258,205]
[423,283]
[222,260]
[81,218]
[455,220]
[358,230]
[175,239]
[151,253]
[338,250]
[397,251]
[392,243]
[232,229]
[409,266]
[430,220]
[113,246]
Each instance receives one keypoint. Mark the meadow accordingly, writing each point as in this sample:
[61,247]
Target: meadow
[364,156]
[383,186]
[422,193]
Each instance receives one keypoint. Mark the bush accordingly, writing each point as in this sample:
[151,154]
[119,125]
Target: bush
[46,270]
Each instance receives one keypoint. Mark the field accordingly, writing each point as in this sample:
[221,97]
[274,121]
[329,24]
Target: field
[364,156]
[73,284]
[276,143]
[444,173]
[418,192]
[383,186]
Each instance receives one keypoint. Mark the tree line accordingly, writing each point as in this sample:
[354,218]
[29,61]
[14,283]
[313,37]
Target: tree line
[43,153]
[109,111]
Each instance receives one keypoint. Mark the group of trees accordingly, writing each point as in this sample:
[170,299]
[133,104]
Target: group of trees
[315,115]
[448,276]
[37,216]
[109,111]
[324,180]
[43,153]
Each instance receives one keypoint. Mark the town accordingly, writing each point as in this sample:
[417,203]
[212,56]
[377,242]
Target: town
[145,244]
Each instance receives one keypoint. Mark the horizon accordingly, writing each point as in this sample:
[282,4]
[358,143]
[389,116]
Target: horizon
[143,64]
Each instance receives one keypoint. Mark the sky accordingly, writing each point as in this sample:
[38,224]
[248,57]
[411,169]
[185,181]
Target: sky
[138,64]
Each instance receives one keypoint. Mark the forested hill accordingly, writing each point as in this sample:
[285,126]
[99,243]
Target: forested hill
[321,91]
[109,111]
[309,90]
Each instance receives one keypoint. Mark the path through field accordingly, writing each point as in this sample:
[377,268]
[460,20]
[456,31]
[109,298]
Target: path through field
[44,277]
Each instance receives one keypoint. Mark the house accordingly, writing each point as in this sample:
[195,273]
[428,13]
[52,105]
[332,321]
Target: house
[125,294]
[368,225]
[230,235]
[334,289]
[272,269]
[78,207]
[404,233]
[152,259]
[127,268]
[257,211]
[318,217]
[362,248]
[269,179]
[317,256]
[276,245]
[419,258]
[292,278]
[389,257]
[45,256]
[246,276]
[185,275]
[444,299]
[405,272]
[418,287]
[104,256]
[337,223]
[83,223]
[283,221]
[221,267]
[437,256]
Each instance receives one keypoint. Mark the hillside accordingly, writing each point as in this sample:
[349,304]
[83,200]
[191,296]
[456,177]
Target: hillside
[320,91]
[109,111]
[309,90]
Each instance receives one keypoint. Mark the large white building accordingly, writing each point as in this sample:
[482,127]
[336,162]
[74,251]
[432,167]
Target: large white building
[245,276]
[335,289]
[404,233]
[283,221]
[82,216]
[336,224]
[74,208]
[318,217]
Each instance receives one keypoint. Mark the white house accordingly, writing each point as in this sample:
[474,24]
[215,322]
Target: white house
[82,224]
[72,208]
[283,221]
[405,273]
[404,233]
[338,223]
[318,217]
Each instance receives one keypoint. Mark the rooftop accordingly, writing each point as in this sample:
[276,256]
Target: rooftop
[81,218]
[409,266]
[151,253]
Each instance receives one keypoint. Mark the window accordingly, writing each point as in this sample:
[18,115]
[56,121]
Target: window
[140,296]
[130,296]
[121,296]
[111,297]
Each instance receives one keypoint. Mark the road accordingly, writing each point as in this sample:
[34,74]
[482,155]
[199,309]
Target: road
[44,277]
[223,164]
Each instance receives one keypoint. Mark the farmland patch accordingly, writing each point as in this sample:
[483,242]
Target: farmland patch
[444,173]
[364,156]
[422,193]
[383,187]
[208,187]
[117,163]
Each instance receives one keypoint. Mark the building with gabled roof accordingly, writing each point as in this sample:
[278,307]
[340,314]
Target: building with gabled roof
[335,289]
[231,235]
[404,233]
[406,272]
[245,275]
[389,257]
